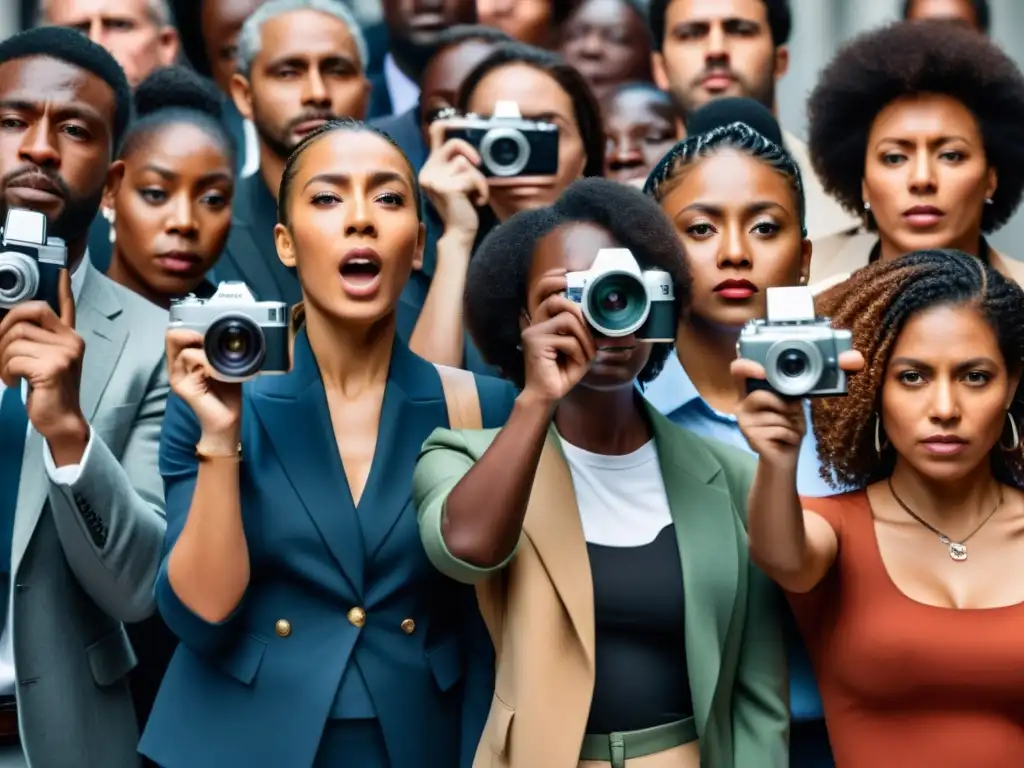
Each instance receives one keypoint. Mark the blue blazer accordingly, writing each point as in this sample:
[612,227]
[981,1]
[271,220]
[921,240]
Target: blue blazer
[255,691]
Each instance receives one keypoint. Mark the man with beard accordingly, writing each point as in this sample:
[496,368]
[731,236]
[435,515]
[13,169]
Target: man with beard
[82,397]
[707,49]
[300,63]
[414,30]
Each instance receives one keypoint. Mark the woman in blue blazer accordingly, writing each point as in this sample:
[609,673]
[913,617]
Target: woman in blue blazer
[313,629]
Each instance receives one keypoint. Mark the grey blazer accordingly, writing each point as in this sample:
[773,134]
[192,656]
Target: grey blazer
[85,556]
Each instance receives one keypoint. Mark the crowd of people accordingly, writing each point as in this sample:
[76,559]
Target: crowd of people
[466,508]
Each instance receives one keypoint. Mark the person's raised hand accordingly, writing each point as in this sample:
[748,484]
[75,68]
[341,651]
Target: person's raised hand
[452,181]
[557,345]
[216,404]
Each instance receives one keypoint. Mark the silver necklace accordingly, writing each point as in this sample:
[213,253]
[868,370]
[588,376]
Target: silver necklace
[957,549]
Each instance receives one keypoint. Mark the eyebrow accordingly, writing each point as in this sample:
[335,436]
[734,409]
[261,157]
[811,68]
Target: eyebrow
[911,143]
[297,60]
[168,174]
[716,210]
[974,362]
[61,111]
[378,178]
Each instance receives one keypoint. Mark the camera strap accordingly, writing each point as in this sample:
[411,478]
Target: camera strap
[461,397]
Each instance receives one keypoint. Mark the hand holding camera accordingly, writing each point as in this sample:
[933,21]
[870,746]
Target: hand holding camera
[791,355]
[557,346]
[452,180]
[216,344]
[38,342]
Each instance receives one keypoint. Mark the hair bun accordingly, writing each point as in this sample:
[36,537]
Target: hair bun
[177,88]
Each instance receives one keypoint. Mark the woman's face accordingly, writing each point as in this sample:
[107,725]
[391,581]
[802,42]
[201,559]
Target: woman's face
[945,392]
[528,21]
[573,248]
[640,127]
[173,209]
[926,177]
[539,97]
[443,78]
[740,226]
[354,234]
[608,42]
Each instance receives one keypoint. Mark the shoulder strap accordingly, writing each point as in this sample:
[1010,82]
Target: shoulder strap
[462,398]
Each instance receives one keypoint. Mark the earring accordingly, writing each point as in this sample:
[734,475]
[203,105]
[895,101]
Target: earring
[867,206]
[1014,434]
[989,201]
[110,216]
[803,279]
[878,436]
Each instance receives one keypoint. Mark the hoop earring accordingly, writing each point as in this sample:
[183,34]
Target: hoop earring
[1014,433]
[878,436]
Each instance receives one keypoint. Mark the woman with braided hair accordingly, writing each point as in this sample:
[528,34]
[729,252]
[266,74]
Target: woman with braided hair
[909,592]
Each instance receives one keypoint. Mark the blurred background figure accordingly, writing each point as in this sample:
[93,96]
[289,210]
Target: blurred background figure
[608,41]
[640,126]
[140,34]
[529,21]
[971,13]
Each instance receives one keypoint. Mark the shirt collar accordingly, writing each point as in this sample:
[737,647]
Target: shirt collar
[673,388]
[404,92]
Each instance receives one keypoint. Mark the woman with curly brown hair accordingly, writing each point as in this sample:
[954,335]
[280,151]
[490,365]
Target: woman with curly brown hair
[916,128]
[909,592]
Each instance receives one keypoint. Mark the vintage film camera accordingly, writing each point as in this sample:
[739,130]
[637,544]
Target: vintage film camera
[618,298]
[30,262]
[509,145]
[799,352]
[242,337]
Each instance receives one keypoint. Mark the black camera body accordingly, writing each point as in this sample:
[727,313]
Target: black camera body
[30,262]
[242,337]
[509,146]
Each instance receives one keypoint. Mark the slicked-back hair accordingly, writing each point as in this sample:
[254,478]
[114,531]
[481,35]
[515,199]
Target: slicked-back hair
[738,136]
[333,126]
[498,276]
[780,21]
[586,109]
[250,39]
[906,59]
[875,304]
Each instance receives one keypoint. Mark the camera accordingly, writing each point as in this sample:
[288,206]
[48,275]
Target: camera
[509,145]
[30,262]
[618,298]
[242,337]
[799,352]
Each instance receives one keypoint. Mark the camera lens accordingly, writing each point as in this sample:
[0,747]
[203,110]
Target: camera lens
[8,280]
[19,279]
[617,304]
[793,363]
[235,346]
[504,152]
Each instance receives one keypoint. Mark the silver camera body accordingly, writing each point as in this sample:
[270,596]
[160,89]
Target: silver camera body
[618,298]
[799,351]
[242,337]
[30,261]
[509,145]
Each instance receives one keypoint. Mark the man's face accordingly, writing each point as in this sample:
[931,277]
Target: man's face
[222,21]
[415,25]
[126,28]
[307,72]
[716,48]
[55,149]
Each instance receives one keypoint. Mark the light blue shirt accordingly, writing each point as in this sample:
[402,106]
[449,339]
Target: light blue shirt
[674,395]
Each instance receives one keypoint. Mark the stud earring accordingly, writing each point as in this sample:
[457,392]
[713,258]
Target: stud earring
[988,201]
[803,279]
[867,206]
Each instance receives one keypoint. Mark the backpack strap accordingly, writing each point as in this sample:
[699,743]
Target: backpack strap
[462,398]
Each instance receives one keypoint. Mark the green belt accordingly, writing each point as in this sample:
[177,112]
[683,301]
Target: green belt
[617,747]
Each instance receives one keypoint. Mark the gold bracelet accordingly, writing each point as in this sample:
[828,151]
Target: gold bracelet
[204,456]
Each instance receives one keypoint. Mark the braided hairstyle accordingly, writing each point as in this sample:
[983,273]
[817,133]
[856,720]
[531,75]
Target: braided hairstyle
[875,304]
[738,136]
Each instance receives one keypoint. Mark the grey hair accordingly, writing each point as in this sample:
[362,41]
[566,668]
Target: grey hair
[250,40]
[739,136]
[159,12]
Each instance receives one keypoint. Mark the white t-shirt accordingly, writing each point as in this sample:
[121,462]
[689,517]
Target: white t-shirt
[622,499]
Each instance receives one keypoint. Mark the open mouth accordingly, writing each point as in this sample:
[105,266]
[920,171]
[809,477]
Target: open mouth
[360,272]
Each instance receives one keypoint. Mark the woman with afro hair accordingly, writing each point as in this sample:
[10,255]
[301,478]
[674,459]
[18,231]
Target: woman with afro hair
[606,543]
[916,128]
[909,591]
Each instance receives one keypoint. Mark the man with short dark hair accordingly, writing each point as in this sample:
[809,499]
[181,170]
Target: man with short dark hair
[82,397]
[138,33]
[299,64]
[972,13]
[708,49]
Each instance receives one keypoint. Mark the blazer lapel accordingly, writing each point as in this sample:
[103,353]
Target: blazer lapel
[413,406]
[293,411]
[553,526]
[32,490]
[706,532]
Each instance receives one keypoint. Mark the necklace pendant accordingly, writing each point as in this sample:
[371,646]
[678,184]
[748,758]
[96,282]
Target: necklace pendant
[957,551]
